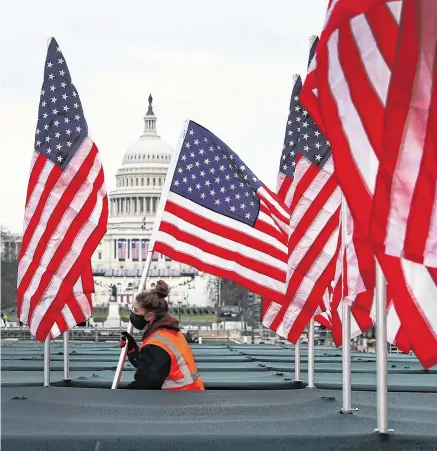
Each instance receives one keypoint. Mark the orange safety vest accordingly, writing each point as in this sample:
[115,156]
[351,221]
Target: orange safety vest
[183,370]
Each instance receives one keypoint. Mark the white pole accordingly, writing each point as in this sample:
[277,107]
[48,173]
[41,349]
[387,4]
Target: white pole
[67,356]
[297,361]
[47,361]
[311,354]
[381,353]
[159,213]
[346,323]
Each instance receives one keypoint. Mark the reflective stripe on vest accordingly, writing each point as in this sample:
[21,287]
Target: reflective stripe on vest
[187,378]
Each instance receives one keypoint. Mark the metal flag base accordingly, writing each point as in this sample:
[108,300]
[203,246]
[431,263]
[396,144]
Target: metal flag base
[383,434]
[347,412]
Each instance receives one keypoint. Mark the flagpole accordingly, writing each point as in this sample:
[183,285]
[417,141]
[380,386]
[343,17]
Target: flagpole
[346,322]
[297,377]
[159,213]
[381,353]
[311,354]
[47,340]
[67,356]
[47,361]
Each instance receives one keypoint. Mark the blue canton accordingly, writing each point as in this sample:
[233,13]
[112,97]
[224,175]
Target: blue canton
[61,126]
[296,115]
[209,173]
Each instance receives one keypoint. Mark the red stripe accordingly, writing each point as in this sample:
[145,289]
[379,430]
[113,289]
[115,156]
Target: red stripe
[51,182]
[305,265]
[34,175]
[423,201]
[56,217]
[360,203]
[316,208]
[365,258]
[303,184]
[398,103]
[283,190]
[70,234]
[268,229]
[219,272]
[274,209]
[385,31]
[313,301]
[218,251]
[85,255]
[363,95]
[224,231]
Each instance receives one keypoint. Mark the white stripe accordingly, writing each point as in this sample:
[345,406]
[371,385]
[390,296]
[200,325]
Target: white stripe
[225,221]
[263,193]
[280,181]
[221,263]
[355,282]
[58,236]
[289,195]
[319,222]
[396,9]
[424,292]
[58,191]
[69,260]
[36,193]
[55,331]
[264,217]
[430,254]
[271,313]
[376,68]
[224,243]
[300,297]
[361,150]
[411,149]
[393,324]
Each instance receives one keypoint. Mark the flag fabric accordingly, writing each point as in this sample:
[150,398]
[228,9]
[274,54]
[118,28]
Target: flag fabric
[66,210]
[358,91]
[315,199]
[219,218]
[135,250]
[404,220]
[144,249]
[122,249]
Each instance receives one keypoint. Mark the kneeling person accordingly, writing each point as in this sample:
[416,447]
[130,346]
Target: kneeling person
[163,360]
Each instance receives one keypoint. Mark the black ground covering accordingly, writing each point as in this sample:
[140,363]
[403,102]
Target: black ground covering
[87,419]
[255,407]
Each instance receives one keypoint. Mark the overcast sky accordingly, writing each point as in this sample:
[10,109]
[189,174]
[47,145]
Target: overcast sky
[228,65]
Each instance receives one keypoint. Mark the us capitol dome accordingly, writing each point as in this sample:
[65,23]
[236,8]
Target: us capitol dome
[132,209]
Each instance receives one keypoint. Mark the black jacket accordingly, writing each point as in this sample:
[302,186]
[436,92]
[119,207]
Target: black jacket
[152,364]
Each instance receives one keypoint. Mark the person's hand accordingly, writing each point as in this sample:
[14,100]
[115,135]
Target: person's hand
[131,343]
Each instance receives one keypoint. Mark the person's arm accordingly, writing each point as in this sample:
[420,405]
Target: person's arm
[153,367]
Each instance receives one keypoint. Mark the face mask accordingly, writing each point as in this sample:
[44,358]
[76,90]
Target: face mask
[138,321]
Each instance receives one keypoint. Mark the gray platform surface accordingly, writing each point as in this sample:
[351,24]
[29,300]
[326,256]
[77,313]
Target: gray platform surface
[231,366]
[74,419]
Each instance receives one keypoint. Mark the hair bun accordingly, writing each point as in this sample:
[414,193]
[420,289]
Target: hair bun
[161,289]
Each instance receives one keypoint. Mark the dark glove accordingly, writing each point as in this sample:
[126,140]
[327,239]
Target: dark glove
[132,346]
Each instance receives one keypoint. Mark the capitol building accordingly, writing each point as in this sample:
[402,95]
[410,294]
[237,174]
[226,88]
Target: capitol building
[132,209]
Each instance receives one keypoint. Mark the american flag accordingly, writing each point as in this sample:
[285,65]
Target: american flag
[135,250]
[144,249]
[66,210]
[122,249]
[307,183]
[219,218]
[358,69]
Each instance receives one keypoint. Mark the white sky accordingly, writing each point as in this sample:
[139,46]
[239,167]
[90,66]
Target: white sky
[228,65]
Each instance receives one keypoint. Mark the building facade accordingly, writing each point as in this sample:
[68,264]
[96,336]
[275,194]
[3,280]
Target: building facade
[132,209]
